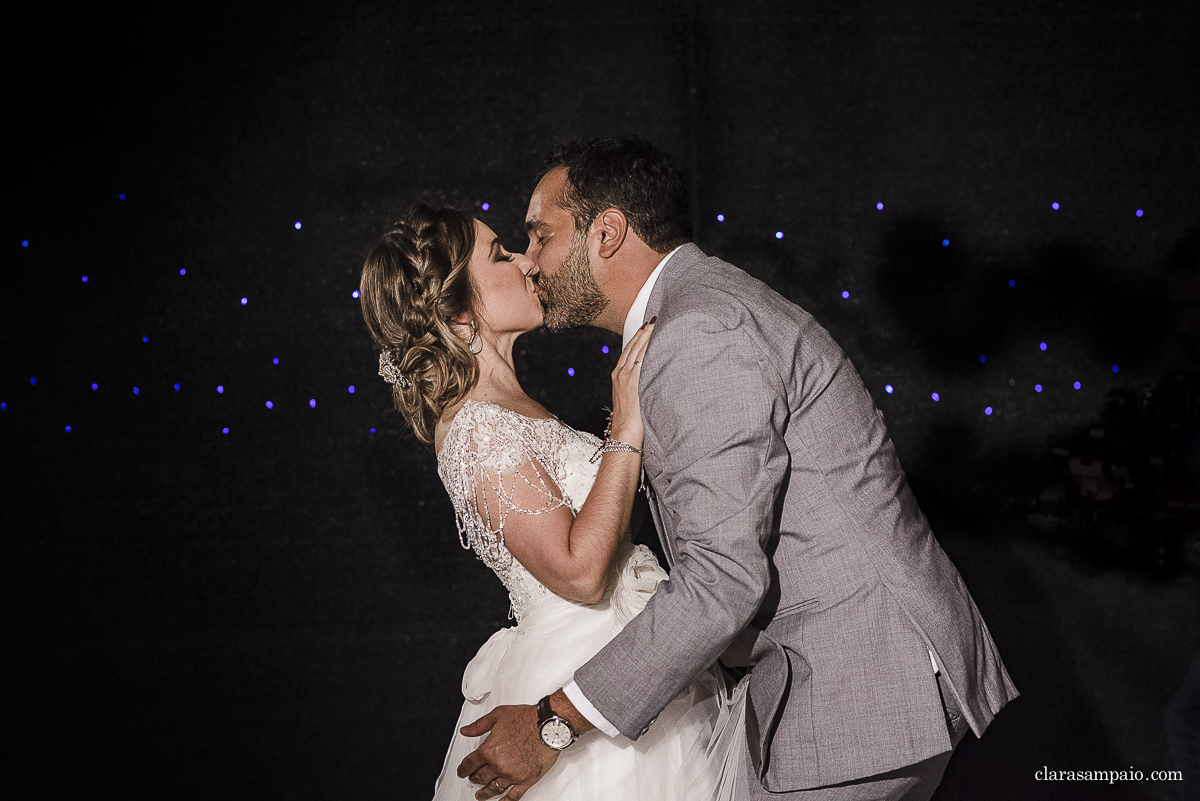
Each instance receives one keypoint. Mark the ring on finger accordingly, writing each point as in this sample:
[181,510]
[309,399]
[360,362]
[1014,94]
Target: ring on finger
[495,785]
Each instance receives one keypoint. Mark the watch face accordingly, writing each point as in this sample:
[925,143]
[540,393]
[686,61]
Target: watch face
[556,733]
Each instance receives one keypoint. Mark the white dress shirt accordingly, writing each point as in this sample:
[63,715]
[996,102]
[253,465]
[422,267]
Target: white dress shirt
[633,321]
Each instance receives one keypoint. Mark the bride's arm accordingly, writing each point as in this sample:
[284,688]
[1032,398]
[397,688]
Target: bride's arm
[571,554]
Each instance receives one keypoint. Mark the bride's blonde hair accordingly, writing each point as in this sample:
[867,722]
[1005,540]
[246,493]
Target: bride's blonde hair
[415,283]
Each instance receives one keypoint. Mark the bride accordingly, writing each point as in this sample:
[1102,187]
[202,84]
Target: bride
[546,507]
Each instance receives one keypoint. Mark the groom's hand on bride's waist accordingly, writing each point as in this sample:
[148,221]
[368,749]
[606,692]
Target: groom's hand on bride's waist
[513,755]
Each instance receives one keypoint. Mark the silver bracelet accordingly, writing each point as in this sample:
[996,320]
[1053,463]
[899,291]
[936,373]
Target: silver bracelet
[616,446]
[613,446]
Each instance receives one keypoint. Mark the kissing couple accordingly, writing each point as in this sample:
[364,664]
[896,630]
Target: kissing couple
[798,558]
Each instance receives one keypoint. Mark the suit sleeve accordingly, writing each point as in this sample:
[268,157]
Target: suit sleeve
[717,412]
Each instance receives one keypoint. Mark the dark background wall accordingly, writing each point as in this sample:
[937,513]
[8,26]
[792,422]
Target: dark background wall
[283,611]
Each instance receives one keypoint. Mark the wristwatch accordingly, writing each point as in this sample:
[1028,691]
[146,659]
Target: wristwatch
[556,732]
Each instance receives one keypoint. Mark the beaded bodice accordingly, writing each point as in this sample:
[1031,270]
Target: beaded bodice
[494,461]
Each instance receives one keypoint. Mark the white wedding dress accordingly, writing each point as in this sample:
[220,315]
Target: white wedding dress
[693,749]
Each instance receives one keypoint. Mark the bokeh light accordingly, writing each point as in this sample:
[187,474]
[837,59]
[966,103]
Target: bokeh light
[605,349]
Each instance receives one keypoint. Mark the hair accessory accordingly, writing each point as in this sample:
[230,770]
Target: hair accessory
[388,369]
[475,343]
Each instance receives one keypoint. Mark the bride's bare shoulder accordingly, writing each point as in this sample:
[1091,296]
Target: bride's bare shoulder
[443,424]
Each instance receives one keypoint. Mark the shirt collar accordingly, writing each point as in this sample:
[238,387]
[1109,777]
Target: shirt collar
[633,321]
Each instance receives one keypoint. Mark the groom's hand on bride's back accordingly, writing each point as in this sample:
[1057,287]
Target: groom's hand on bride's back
[513,754]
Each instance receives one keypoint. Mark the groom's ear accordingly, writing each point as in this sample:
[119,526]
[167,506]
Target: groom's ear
[612,228]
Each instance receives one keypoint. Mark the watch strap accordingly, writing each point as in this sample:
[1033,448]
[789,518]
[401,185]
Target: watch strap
[545,715]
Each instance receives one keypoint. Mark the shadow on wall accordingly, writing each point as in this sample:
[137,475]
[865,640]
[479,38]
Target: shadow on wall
[777,268]
[952,308]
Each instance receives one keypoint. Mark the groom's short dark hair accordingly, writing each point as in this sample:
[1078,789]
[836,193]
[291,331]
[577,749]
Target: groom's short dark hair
[629,174]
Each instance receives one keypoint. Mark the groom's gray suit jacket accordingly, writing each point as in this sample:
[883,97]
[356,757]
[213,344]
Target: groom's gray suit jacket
[790,529]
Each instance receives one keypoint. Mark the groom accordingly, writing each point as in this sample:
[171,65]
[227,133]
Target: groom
[795,545]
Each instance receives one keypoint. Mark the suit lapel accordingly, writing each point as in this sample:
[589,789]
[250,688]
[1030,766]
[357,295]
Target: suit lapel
[652,462]
[684,259]
[656,515]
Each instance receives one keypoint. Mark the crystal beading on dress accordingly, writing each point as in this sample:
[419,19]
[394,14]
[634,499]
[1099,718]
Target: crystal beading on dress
[493,462]
[486,451]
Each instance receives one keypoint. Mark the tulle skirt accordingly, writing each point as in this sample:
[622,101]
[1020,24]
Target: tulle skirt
[692,751]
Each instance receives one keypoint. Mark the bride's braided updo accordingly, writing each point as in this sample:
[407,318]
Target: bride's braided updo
[415,282]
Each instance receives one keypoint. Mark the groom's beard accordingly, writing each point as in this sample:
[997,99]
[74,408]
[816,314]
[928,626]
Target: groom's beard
[571,297]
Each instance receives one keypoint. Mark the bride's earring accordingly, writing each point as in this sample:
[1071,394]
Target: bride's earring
[475,343]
